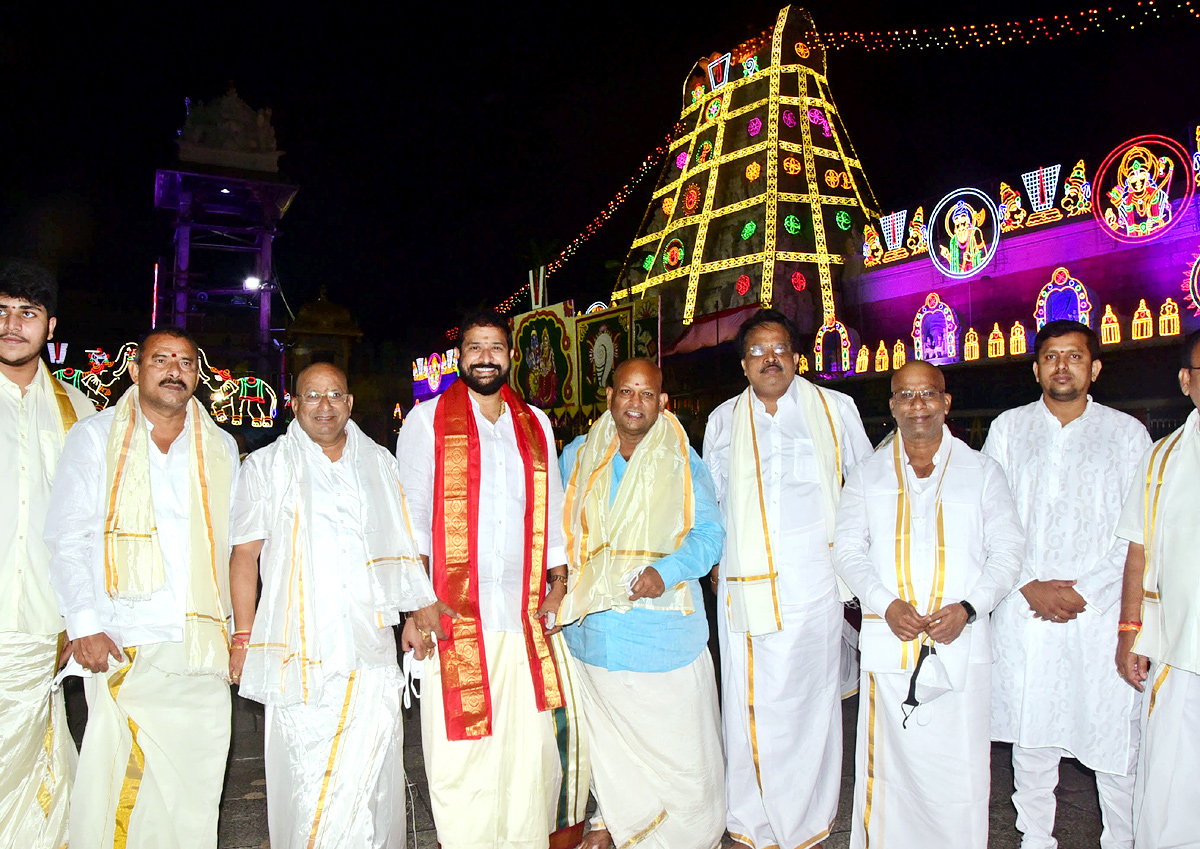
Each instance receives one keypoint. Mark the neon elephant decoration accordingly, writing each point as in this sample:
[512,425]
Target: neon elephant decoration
[234,398]
[96,383]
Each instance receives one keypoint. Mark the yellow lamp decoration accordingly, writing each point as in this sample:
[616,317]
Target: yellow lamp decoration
[863,361]
[898,355]
[881,357]
[971,345]
[1110,330]
[802,366]
[996,341]
[1143,322]
[1168,319]
[1017,339]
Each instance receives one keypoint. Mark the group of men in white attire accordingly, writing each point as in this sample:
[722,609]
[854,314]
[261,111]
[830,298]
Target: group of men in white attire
[556,611]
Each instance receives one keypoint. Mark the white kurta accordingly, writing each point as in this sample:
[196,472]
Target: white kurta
[335,771]
[37,760]
[1165,813]
[927,784]
[155,734]
[789,680]
[1054,684]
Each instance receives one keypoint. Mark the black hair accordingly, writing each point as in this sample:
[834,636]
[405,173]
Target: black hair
[484,318]
[765,316]
[30,281]
[1189,349]
[166,330]
[1061,327]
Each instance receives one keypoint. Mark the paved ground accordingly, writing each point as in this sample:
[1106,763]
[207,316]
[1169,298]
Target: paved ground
[244,825]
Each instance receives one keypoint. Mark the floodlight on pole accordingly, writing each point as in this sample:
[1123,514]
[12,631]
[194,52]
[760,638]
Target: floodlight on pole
[252,283]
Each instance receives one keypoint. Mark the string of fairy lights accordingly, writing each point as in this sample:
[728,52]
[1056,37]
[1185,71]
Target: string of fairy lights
[1118,17]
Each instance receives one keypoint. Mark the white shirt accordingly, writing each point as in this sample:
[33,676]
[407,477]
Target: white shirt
[800,540]
[343,614]
[983,538]
[75,535]
[34,438]
[501,530]
[1055,684]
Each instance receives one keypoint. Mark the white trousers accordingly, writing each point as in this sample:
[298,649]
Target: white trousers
[1035,776]
[655,742]
[1166,794]
[37,754]
[782,722]
[153,756]
[335,768]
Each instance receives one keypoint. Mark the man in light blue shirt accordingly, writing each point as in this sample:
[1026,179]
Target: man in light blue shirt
[642,526]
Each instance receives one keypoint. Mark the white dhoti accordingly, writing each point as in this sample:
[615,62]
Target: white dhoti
[927,784]
[782,720]
[37,754]
[153,756]
[501,791]
[655,744]
[1165,813]
[335,767]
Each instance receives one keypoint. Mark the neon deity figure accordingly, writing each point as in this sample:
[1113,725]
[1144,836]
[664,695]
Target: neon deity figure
[1141,198]
[872,246]
[1077,191]
[1011,209]
[967,248]
[916,233]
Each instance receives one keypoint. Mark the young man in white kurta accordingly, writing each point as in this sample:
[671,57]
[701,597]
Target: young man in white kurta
[511,787]
[153,757]
[37,760]
[1158,648]
[1069,462]
[324,507]
[928,540]
[782,718]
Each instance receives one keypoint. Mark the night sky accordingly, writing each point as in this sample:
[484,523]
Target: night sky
[431,146]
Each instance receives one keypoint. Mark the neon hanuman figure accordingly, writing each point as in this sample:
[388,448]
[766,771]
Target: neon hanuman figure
[967,247]
[1142,193]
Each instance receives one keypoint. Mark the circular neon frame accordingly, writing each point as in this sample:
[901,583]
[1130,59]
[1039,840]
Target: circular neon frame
[1099,181]
[666,257]
[934,217]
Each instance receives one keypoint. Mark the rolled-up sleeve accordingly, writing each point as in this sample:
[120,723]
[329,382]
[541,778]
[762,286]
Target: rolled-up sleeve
[74,528]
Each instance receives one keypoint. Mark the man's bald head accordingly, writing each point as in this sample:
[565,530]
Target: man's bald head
[322,405]
[643,366]
[918,370]
[320,371]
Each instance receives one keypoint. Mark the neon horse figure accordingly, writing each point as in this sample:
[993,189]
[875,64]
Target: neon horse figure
[96,383]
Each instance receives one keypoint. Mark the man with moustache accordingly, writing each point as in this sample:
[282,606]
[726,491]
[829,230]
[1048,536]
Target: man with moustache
[139,561]
[323,507]
[929,540]
[1070,463]
[37,759]
[477,466]
[778,453]
[1158,636]
[642,525]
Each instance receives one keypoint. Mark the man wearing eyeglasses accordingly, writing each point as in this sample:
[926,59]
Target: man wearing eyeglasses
[929,539]
[139,561]
[478,465]
[778,453]
[1158,638]
[1070,463]
[323,508]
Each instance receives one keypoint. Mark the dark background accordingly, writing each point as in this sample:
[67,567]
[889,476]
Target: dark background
[438,149]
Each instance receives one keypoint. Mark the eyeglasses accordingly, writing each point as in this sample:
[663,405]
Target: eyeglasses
[907,396]
[779,349]
[334,396]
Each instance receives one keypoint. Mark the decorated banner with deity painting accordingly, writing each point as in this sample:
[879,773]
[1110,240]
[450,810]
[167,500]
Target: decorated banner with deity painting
[543,367]
[607,338]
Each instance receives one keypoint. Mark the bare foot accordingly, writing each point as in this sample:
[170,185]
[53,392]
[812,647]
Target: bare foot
[598,838]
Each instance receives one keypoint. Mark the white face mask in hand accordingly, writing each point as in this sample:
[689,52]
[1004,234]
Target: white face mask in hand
[929,680]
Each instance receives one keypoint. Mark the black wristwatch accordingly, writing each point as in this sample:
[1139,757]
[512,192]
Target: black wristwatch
[970,611]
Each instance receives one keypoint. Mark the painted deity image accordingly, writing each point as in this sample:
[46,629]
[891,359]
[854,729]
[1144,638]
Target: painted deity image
[967,248]
[1141,199]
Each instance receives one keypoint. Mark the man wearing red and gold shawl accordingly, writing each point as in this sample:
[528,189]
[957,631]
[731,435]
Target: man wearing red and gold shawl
[139,561]
[478,468]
